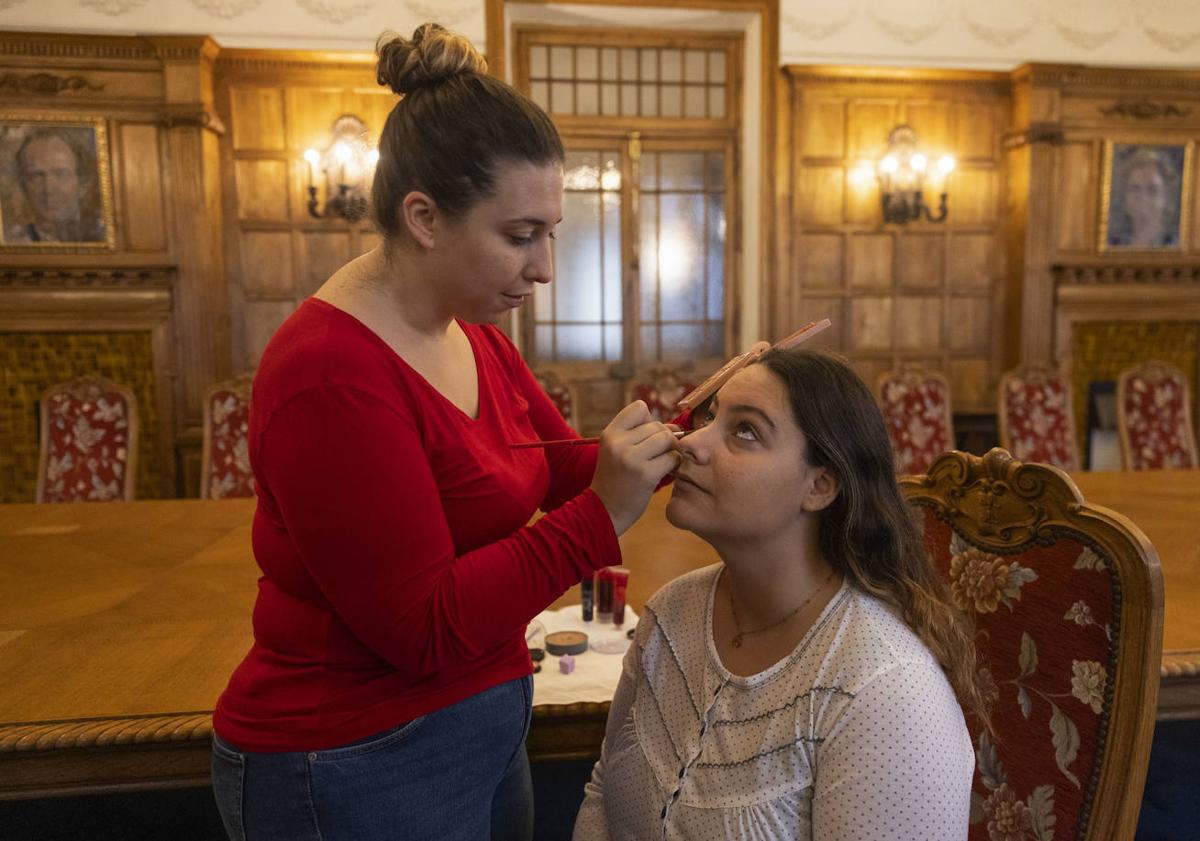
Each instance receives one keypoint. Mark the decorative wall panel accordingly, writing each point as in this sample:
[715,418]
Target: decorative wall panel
[31,362]
[277,106]
[923,292]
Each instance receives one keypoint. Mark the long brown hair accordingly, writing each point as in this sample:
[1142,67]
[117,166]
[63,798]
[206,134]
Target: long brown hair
[869,534]
[453,126]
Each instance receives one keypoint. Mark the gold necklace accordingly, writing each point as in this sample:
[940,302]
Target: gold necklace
[737,638]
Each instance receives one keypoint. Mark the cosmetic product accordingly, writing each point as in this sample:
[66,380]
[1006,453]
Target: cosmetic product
[566,642]
[586,588]
[604,590]
[620,581]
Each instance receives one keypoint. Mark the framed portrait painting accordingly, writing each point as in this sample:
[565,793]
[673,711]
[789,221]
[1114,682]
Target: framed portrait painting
[1146,196]
[55,185]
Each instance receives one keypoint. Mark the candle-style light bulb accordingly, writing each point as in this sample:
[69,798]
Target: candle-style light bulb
[313,157]
[342,153]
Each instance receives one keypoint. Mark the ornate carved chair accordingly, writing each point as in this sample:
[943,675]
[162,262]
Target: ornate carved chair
[89,438]
[916,408]
[1036,419]
[662,389]
[1067,604]
[562,395]
[1154,416]
[225,462]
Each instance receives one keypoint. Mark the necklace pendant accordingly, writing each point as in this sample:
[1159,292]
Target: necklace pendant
[737,641]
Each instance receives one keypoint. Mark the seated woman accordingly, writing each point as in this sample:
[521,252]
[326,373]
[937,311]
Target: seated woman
[810,685]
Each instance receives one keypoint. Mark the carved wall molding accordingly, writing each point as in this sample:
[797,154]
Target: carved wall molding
[154,277]
[192,115]
[336,11]
[44,84]
[113,7]
[817,30]
[443,13]
[910,23]
[999,24]
[984,81]
[1068,76]
[1050,133]
[257,61]
[109,730]
[1143,109]
[47,46]
[1091,274]
[227,9]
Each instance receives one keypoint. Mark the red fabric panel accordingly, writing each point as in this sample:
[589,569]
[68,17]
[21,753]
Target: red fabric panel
[1043,622]
[916,423]
[88,448]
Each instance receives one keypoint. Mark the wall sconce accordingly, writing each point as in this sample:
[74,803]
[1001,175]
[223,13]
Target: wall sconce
[904,173]
[347,167]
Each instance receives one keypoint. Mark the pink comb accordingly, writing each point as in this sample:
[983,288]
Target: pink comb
[713,384]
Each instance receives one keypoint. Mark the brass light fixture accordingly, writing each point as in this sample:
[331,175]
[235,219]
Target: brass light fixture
[346,167]
[904,174]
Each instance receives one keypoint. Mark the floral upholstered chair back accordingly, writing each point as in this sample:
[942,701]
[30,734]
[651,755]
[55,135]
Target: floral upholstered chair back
[225,465]
[89,437]
[561,395]
[661,389]
[1066,604]
[1154,414]
[1036,420]
[916,408]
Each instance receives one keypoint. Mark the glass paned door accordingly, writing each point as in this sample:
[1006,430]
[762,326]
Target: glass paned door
[580,316]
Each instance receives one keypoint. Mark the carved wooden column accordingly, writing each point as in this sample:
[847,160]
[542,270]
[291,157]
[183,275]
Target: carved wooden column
[1031,206]
[192,129]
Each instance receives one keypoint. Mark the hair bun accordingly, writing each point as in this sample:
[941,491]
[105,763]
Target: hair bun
[434,54]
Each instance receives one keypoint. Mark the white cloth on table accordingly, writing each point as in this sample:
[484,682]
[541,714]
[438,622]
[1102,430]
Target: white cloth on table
[596,674]
[856,734]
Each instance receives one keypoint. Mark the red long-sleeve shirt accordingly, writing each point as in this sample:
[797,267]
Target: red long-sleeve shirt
[398,570]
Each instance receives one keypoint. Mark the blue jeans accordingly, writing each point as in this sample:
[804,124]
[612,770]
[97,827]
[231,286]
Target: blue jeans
[457,773]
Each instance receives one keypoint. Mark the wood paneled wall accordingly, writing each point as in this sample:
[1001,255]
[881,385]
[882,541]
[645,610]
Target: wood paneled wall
[277,104]
[154,97]
[923,292]
[1063,115]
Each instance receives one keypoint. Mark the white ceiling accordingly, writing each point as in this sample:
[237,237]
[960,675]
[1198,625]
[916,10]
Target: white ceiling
[956,33]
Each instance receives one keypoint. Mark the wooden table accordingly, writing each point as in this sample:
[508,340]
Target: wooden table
[120,624]
[1166,506]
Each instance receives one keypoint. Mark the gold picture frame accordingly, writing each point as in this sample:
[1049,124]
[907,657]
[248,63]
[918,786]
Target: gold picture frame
[56,191]
[1146,195]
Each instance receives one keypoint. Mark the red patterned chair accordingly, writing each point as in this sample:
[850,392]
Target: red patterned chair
[661,389]
[1066,600]
[1035,415]
[89,438]
[916,408]
[1154,415]
[225,462]
[562,395]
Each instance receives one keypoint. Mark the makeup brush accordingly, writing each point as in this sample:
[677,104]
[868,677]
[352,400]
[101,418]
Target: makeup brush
[572,442]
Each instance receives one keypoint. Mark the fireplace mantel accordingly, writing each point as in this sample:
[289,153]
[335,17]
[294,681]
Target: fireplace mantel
[1093,290]
[138,299]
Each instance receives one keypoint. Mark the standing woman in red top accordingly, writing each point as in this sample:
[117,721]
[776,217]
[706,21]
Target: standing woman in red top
[388,691]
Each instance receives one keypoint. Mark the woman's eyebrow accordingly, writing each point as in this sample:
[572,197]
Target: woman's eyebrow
[532,220]
[746,407]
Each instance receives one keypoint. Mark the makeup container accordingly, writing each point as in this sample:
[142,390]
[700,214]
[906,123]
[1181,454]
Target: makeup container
[586,589]
[604,595]
[620,581]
